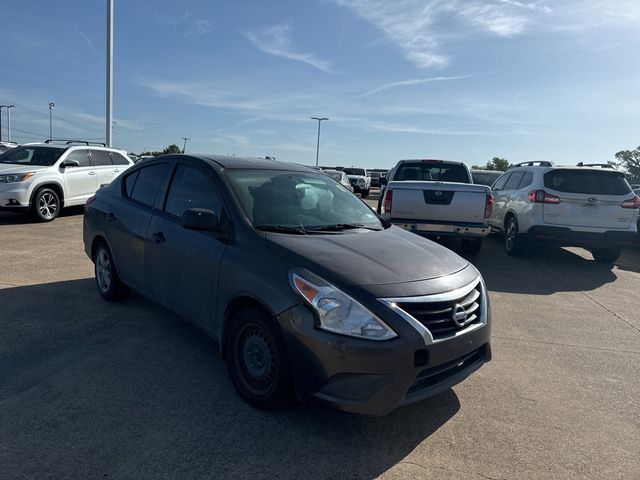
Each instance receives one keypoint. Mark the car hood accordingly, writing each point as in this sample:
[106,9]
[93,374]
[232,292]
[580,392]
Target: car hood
[11,168]
[390,256]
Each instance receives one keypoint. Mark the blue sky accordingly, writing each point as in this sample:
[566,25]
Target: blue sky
[456,79]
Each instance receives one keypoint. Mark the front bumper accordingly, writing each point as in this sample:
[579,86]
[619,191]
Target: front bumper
[566,237]
[444,229]
[373,378]
[14,195]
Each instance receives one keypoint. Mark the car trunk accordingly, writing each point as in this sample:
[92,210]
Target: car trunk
[588,198]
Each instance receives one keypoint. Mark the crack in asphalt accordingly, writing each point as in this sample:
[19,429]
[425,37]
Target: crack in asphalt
[610,311]
[566,345]
[451,470]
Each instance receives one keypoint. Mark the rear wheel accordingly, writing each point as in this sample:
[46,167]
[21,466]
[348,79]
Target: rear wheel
[257,360]
[606,255]
[471,246]
[514,243]
[46,204]
[108,282]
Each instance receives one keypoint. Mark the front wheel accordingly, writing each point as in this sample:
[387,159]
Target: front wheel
[514,242]
[257,360]
[606,255]
[46,204]
[471,246]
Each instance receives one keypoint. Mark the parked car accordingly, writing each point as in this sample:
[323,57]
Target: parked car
[340,177]
[485,177]
[375,179]
[360,180]
[581,206]
[43,178]
[6,146]
[436,198]
[307,291]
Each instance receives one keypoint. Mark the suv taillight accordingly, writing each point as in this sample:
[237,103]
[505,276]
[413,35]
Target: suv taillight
[488,205]
[387,201]
[632,202]
[540,196]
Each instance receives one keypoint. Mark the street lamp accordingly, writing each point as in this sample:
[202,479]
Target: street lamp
[51,105]
[1,107]
[9,107]
[184,147]
[319,119]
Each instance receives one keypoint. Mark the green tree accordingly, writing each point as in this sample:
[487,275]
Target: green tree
[498,164]
[173,148]
[630,161]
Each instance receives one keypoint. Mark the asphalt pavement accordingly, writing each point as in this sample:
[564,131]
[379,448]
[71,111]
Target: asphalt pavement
[90,389]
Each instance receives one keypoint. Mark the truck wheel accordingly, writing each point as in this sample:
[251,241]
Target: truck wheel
[471,246]
[514,243]
[46,204]
[606,255]
[257,360]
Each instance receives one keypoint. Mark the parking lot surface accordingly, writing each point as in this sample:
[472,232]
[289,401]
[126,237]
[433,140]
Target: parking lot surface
[96,390]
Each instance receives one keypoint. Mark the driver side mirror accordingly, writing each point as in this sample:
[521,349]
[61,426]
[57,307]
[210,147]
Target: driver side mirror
[70,163]
[201,219]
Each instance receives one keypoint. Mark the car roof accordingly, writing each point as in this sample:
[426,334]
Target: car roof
[238,163]
[427,160]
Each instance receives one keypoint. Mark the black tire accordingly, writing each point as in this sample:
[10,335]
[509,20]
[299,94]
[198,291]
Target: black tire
[606,256]
[470,246]
[365,193]
[46,205]
[257,360]
[515,244]
[109,285]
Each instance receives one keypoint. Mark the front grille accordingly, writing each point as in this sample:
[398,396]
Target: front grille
[438,317]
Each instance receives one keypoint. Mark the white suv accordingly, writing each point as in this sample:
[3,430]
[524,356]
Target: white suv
[584,206]
[46,177]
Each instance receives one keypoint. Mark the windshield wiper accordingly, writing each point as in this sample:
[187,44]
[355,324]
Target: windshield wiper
[338,227]
[281,229]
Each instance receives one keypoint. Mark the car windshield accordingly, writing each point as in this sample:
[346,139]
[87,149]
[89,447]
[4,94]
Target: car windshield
[587,182]
[437,172]
[354,171]
[375,174]
[299,202]
[27,155]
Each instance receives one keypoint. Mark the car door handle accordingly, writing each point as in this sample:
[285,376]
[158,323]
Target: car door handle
[116,170]
[92,173]
[158,237]
[111,217]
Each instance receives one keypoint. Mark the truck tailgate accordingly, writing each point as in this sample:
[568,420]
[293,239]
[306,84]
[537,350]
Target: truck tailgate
[437,201]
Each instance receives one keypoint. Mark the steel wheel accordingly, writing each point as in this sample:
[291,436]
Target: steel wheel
[257,358]
[103,271]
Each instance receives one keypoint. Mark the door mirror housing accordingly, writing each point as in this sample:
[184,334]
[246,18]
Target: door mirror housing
[70,163]
[201,219]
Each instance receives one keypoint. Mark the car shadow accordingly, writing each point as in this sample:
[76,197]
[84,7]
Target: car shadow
[130,390]
[11,218]
[543,271]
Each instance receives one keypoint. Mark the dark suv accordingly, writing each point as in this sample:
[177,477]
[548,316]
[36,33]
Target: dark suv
[309,293]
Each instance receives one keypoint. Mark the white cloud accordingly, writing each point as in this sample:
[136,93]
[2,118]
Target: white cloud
[276,41]
[413,81]
[193,26]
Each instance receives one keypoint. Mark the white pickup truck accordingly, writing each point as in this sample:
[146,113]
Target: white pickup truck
[437,198]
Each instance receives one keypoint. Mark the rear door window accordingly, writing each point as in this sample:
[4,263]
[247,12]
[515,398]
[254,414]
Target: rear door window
[118,159]
[100,157]
[147,184]
[499,185]
[527,179]
[514,181]
[587,182]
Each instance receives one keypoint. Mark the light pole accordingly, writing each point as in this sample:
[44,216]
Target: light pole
[9,107]
[184,147]
[319,119]
[51,105]
[1,107]
[109,109]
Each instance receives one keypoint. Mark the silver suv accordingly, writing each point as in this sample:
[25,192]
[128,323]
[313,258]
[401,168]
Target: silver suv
[589,206]
[45,177]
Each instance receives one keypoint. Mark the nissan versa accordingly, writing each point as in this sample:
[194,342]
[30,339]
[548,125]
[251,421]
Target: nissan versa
[309,292]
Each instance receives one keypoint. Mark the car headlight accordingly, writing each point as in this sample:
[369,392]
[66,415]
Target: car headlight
[16,177]
[338,312]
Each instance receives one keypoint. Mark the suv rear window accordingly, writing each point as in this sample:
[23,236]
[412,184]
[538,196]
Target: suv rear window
[432,172]
[587,181]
